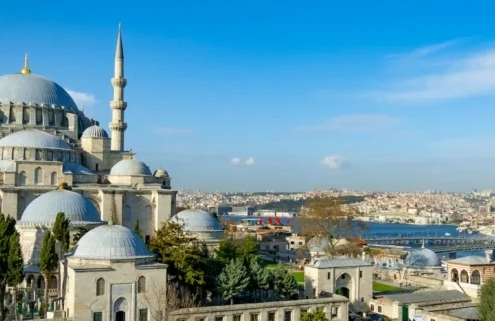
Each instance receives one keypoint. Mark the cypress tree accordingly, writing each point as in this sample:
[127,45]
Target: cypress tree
[15,265]
[80,233]
[137,229]
[61,231]
[260,277]
[48,259]
[7,229]
[233,280]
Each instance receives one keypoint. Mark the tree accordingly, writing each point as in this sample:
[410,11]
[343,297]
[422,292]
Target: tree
[284,284]
[15,266]
[48,259]
[486,307]
[260,277]
[226,251]
[326,219]
[167,297]
[137,230]
[178,249]
[248,249]
[233,280]
[316,315]
[7,230]
[79,234]
[61,231]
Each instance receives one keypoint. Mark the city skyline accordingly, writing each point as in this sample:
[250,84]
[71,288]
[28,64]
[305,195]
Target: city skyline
[266,97]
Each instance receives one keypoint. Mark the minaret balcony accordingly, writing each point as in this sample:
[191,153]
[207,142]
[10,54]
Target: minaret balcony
[119,82]
[118,104]
[118,126]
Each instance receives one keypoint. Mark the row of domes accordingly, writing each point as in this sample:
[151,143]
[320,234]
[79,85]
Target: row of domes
[105,241]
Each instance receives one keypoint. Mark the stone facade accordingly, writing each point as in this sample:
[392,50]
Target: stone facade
[335,307]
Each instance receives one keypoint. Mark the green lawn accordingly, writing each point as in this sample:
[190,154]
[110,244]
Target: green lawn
[299,276]
[379,287]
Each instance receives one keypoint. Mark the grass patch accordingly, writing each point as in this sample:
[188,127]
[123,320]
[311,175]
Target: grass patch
[380,287]
[299,276]
[269,264]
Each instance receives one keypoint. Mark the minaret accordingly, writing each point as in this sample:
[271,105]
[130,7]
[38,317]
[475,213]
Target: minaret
[118,105]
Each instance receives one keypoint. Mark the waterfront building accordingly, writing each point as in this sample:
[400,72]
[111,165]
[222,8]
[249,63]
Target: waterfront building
[46,139]
[350,277]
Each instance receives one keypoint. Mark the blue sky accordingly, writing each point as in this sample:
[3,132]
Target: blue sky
[281,95]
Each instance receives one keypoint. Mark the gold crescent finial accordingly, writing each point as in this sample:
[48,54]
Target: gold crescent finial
[25,70]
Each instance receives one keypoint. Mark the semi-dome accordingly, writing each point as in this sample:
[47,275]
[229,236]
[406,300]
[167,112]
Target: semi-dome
[77,208]
[94,131]
[33,138]
[159,173]
[111,242]
[130,167]
[35,90]
[422,258]
[195,220]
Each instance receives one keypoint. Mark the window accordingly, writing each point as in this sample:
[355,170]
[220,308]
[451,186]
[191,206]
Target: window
[39,116]
[49,155]
[141,284]
[288,316]
[271,316]
[38,176]
[97,316]
[379,309]
[147,239]
[143,314]
[51,118]
[335,312]
[25,115]
[100,287]
[360,274]
[476,277]
[329,275]
[219,318]
[22,178]
[372,307]
[255,317]
[343,276]
[96,167]
[53,178]
[237,317]
[362,299]
[37,155]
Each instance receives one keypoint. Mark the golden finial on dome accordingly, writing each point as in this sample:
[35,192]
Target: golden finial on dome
[25,70]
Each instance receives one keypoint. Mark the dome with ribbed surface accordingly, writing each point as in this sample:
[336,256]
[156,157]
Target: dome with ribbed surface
[35,90]
[160,173]
[130,167]
[94,131]
[110,242]
[422,258]
[194,220]
[34,139]
[77,208]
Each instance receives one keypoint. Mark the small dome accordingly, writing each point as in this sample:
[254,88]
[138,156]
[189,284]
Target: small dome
[34,139]
[160,173]
[94,131]
[111,242]
[77,208]
[197,221]
[422,258]
[130,167]
[35,90]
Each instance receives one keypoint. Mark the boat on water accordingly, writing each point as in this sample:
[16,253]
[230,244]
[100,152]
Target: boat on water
[255,224]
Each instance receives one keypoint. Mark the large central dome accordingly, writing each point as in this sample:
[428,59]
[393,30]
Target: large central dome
[35,90]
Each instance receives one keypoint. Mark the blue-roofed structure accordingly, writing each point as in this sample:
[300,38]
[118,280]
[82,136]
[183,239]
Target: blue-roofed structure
[130,167]
[34,139]
[201,224]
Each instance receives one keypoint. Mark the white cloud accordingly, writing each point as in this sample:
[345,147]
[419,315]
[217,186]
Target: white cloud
[426,50]
[334,162]
[167,130]
[82,99]
[235,161]
[249,161]
[470,76]
[355,123]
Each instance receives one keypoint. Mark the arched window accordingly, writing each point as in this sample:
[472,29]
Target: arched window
[141,284]
[39,116]
[100,287]
[53,178]
[475,277]
[464,276]
[454,275]
[22,178]
[38,176]
[25,115]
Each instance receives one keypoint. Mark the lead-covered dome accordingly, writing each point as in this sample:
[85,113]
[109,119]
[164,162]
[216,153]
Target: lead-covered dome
[94,131]
[77,208]
[130,167]
[111,242]
[35,90]
[422,258]
[194,220]
[33,138]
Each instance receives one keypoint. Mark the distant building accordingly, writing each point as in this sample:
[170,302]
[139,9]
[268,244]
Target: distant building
[220,209]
